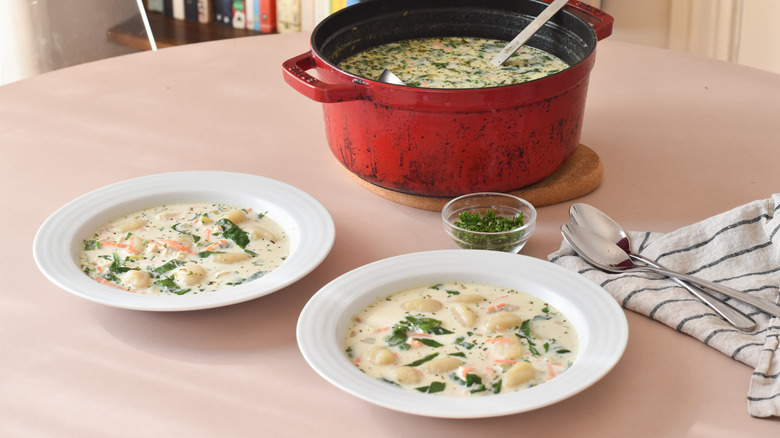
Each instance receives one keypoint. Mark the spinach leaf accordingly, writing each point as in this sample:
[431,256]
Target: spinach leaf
[430,342]
[172,264]
[472,381]
[234,233]
[169,285]
[421,361]
[463,343]
[116,266]
[434,387]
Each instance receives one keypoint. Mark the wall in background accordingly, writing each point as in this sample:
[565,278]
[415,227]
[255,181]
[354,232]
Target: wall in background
[742,31]
[37,36]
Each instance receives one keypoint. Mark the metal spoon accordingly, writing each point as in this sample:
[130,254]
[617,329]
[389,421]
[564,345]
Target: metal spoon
[606,255]
[591,217]
[528,32]
[388,77]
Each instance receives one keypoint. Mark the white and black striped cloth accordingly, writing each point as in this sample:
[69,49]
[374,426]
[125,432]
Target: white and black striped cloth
[740,249]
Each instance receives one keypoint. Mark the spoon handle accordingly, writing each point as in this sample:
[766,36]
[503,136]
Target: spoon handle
[733,316]
[759,303]
[528,32]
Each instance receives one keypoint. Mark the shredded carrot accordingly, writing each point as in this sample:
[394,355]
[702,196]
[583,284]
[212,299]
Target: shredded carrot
[420,335]
[380,330]
[490,371]
[509,361]
[115,244]
[466,370]
[208,234]
[130,245]
[108,283]
[215,245]
[495,308]
[175,245]
[551,370]
[491,340]
[415,343]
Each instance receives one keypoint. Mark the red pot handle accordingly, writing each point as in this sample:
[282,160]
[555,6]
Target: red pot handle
[294,70]
[600,20]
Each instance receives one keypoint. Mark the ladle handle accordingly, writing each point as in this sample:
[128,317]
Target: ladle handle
[733,316]
[759,303]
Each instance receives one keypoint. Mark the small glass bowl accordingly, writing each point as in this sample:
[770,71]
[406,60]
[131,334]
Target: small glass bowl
[503,205]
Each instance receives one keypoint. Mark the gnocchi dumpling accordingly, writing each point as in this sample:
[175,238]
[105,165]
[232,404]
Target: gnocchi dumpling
[236,216]
[507,349]
[503,321]
[257,232]
[190,274]
[407,375]
[130,225]
[422,305]
[380,356]
[520,373]
[137,278]
[441,365]
[467,298]
[463,314]
[227,258]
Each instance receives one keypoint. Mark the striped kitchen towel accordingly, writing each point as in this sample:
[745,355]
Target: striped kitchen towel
[739,248]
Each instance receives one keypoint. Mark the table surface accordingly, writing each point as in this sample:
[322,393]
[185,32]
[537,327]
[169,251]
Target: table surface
[681,137]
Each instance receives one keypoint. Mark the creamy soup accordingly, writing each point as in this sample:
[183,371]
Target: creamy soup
[461,339]
[184,249]
[455,62]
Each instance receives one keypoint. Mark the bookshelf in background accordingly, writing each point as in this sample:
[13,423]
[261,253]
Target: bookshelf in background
[177,22]
[323,8]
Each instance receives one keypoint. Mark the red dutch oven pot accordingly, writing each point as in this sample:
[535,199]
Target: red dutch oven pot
[448,142]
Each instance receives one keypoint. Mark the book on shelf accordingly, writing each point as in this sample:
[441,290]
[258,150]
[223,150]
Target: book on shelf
[154,5]
[256,15]
[191,10]
[205,11]
[323,8]
[223,12]
[288,16]
[178,9]
[261,15]
[239,14]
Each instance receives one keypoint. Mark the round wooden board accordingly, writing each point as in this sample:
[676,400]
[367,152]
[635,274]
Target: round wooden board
[578,176]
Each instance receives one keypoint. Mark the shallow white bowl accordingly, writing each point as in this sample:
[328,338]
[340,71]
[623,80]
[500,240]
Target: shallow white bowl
[600,323]
[59,240]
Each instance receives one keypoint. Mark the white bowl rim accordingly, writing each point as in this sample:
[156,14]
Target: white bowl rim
[306,221]
[600,322]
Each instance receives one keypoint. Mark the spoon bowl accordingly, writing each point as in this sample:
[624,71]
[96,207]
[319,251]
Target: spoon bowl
[597,221]
[607,256]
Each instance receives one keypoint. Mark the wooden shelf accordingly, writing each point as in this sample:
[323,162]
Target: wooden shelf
[169,32]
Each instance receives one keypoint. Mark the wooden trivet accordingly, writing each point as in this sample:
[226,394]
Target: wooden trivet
[578,176]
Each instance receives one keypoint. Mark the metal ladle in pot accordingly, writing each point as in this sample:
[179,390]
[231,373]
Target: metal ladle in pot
[388,77]
[528,32]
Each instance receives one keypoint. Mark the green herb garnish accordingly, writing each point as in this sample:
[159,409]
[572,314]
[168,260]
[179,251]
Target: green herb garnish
[489,222]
